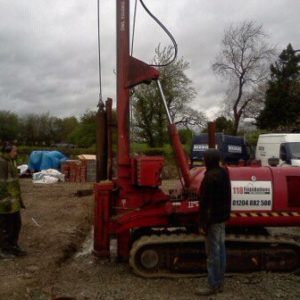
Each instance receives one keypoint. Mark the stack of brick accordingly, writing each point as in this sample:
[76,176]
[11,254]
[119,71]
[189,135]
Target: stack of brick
[90,162]
[74,170]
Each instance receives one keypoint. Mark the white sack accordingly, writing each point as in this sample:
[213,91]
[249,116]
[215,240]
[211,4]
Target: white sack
[48,176]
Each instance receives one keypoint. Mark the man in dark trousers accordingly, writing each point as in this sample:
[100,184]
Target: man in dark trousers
[215,202]
[10,203]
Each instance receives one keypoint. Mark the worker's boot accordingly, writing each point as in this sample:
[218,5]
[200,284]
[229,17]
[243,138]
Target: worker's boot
[6,255]
[5,250]
[221,288]
[17,251]
[14,250]
[207,291]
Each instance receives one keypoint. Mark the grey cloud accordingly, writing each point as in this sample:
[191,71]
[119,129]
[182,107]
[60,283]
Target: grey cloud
[49,59]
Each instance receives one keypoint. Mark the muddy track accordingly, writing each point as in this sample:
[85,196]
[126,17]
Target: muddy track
[56,223]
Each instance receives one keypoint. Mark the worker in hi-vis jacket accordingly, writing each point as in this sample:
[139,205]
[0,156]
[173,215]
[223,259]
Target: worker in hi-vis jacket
[10,203]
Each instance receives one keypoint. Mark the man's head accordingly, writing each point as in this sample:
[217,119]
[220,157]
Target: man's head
[212,158]
[10,149]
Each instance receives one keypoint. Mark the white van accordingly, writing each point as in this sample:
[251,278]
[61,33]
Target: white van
[283,146]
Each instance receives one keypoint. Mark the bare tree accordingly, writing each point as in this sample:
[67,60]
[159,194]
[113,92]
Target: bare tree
[190,118]
[244,61]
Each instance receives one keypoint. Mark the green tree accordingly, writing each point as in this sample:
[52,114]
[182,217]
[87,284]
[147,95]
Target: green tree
[282,105]
[63,129]
[150,120]
[224,125]
[85,134]
[38,129]
[243,61]
[186,136]
[69,125]
[9,126]
[29,132]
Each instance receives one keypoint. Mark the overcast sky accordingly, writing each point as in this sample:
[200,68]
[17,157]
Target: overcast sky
[49,55]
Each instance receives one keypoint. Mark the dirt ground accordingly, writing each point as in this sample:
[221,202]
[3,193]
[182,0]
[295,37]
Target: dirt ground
[57,235]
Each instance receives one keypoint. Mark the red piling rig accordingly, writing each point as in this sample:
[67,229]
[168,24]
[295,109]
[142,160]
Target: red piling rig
[133,204]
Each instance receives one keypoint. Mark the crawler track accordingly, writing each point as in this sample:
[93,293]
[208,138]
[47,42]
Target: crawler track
[179,255]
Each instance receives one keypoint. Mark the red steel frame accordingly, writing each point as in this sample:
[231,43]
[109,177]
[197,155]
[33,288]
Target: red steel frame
[130,72]
[136,207]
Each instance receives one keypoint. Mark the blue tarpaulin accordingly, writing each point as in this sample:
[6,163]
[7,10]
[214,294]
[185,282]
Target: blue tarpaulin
[44,160]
